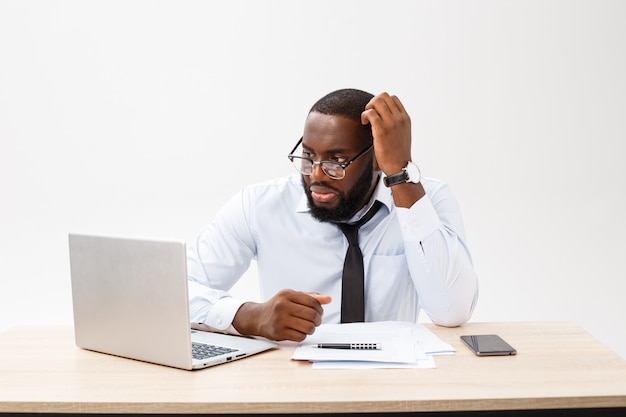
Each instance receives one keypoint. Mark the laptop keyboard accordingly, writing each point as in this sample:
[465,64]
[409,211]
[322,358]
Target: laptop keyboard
[204,351]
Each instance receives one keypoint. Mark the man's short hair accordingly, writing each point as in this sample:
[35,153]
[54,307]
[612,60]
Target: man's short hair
[347,102]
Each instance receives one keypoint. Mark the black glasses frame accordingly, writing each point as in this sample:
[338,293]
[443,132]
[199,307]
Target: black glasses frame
[343,165]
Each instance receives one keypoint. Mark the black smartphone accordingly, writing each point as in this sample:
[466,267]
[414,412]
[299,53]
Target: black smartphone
[488,345]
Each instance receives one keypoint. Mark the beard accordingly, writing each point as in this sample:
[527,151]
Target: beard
[349,203]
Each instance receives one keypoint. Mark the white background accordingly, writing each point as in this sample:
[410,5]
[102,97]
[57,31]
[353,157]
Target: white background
[142,117]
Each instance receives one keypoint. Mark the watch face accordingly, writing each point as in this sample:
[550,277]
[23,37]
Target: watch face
[413,171]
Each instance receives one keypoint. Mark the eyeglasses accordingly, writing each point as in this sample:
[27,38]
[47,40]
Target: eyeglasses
[335,170]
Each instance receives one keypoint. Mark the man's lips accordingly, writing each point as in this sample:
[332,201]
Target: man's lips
[322,194]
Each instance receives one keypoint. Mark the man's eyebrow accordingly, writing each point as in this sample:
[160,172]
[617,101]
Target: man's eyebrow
[328,151]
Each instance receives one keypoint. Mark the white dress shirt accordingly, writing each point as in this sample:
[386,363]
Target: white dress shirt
[412,258]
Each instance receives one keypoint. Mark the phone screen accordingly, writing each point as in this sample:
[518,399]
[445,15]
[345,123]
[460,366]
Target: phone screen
[488,345]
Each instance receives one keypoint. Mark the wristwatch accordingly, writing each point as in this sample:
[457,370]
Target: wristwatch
[410,173]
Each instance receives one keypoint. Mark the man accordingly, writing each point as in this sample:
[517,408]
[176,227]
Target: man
[356,150]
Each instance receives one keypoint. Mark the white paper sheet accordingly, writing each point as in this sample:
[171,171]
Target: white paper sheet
[404,345]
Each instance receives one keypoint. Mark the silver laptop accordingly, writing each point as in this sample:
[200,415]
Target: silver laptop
[130,299]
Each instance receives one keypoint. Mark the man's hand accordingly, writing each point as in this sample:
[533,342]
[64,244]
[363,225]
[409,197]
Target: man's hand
[391,128]
[289,315]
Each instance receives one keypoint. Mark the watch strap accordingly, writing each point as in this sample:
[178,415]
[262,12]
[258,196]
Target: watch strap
[397,178]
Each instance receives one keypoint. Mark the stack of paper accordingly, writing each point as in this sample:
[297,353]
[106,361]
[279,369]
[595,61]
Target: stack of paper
[402,345]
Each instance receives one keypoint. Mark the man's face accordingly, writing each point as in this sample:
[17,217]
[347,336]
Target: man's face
[337,138]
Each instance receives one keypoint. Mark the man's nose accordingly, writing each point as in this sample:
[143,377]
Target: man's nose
[317,173]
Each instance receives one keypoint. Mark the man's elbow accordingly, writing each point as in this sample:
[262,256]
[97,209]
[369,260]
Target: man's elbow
[453,317]
[454,321]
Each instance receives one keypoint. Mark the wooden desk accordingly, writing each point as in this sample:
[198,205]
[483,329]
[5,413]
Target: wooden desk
[559,366]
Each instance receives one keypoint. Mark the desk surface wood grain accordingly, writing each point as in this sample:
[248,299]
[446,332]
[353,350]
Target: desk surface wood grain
[558,365]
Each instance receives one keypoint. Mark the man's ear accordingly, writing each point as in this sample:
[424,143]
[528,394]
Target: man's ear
[376,167]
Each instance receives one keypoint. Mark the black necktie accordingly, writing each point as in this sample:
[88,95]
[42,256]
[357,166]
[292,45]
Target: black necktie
[352,286]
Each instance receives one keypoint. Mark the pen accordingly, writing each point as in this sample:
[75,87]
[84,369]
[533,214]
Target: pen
[356,346]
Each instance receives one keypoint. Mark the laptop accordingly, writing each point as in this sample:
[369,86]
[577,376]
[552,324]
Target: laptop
[130,299]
